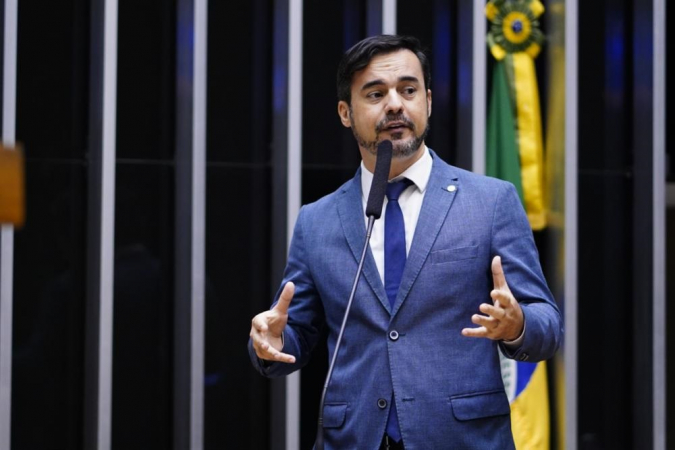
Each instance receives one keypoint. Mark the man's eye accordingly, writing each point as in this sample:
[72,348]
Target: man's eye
[375,95]
[409,90]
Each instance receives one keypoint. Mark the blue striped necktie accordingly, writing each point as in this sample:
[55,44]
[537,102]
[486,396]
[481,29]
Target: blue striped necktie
[394,263]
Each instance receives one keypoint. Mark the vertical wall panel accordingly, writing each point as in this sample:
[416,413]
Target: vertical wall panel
[643,154]
[49,273]
[6,266]
[438,37]
[295,146]
[604,286]
[465,20]
[659,225]
[389,16]
[144,231]
[328,144]
[618,266]
[102,114]
[190,224]
[571,224]
[240,209]
[479,89]
[279,157]
[6,252]
[8,17]
[374,14]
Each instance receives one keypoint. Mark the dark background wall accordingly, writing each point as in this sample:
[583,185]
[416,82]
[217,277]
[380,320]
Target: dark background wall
[238,219]
[50,262]
[615,179]
[50,251]
[605,230]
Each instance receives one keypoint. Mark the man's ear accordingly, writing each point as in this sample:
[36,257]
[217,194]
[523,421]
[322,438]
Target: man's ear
[343,112]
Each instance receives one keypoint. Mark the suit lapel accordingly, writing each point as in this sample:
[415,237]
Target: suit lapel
[350,211]
[441,192]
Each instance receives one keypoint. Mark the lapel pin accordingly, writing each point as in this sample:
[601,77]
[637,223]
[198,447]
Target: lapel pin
[451,188]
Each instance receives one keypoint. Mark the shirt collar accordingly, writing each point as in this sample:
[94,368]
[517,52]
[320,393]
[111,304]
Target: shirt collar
[419,173]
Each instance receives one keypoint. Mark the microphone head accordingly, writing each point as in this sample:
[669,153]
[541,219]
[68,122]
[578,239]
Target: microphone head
[378,188]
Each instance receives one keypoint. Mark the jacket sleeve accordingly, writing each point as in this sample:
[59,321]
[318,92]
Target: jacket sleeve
[305,313]
[512,240]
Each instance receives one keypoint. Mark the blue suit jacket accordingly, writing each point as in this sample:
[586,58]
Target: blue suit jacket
[448,388]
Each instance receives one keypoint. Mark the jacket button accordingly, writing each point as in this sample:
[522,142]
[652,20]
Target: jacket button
[381,403]
[393,335]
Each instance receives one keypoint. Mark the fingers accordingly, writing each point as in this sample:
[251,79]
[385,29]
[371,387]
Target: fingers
[267,328]
[270,353]
[285,298]
[489,322]
[503,299]
[266,351]
[480,332]
[503,320]
[501,294]
[495,311]
[498,277]
[259,332]
[498,322]
[265,344]
[259,323]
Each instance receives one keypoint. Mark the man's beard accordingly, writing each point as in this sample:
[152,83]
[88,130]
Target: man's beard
[401,149]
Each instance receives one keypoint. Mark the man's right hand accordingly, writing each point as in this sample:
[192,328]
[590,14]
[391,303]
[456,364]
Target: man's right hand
[267,328]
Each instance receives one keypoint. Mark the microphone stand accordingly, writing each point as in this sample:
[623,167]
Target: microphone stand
[319,431]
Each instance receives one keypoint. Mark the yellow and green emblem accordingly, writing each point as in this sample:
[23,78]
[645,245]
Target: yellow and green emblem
[514,27]
[514,141]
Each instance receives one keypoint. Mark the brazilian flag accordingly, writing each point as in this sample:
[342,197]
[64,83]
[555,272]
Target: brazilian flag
[514,138]
[526,388]
[515,153]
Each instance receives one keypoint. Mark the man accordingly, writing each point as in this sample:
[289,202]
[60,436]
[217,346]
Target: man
[412,372]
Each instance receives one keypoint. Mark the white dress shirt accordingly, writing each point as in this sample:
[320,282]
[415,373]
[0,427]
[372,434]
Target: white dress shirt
[410,201]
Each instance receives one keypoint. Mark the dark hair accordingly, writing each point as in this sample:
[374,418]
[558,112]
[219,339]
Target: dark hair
[359,56]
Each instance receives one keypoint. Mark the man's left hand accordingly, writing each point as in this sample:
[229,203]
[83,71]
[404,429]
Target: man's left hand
[504,318]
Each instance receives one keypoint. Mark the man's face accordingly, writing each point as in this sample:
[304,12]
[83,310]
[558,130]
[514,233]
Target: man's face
[389,102]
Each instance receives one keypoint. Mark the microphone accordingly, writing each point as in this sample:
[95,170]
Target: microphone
[378,189]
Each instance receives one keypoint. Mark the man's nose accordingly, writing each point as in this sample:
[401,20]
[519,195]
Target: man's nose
[394,103]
